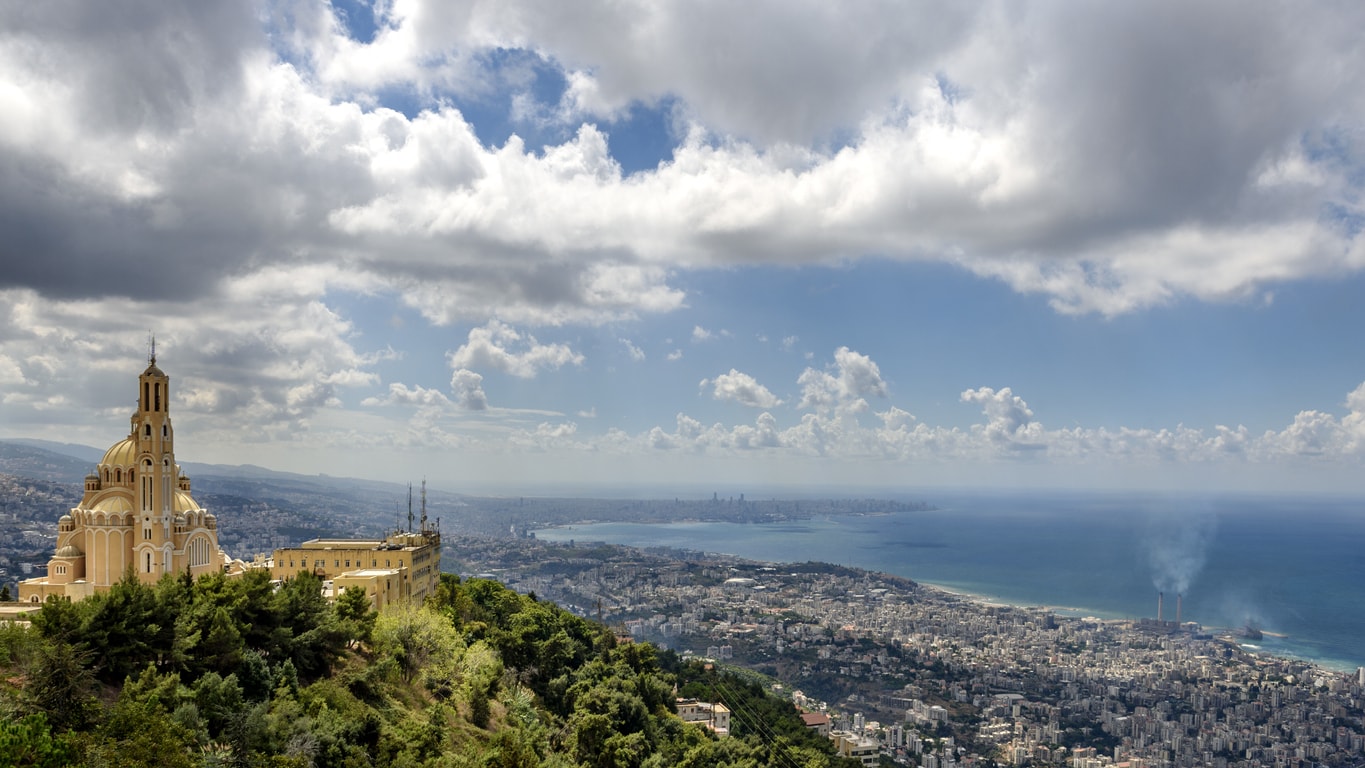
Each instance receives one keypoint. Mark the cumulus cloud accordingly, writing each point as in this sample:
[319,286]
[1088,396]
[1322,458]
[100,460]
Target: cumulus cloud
[499,347]
[1010,432]
[224,174]
[401,394]
[855,376]
[1009,421]
[468,388]
[983,137]
[255,375]
[741,388]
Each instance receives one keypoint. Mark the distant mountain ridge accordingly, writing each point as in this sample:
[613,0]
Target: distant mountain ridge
[71,462]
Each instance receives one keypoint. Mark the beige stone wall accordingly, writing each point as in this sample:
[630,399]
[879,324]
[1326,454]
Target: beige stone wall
[382,588]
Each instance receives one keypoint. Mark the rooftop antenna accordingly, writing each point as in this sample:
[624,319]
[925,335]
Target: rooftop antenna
[151,348]
[397,516]
[424,505]
[409,507]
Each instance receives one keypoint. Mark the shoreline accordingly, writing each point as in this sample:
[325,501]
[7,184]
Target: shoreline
[1225,634]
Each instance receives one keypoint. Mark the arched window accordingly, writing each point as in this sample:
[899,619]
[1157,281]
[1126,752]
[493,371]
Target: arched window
[147,486]
[149,562]
[147,430]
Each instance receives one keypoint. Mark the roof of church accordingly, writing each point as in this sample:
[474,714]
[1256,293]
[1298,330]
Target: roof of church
[122,454]
[114,503]
[68,551]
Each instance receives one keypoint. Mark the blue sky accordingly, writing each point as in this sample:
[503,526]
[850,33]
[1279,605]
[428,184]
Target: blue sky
[510,246]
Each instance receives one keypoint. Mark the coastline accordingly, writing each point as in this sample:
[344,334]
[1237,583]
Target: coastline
[807,546]
[1224,634]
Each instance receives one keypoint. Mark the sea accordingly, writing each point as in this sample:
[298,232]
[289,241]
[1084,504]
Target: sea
[1293,566]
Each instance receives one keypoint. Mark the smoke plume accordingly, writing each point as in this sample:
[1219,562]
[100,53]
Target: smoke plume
[1177,545]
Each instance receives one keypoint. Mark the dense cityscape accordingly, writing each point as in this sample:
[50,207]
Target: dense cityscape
[937,679]
[891,669]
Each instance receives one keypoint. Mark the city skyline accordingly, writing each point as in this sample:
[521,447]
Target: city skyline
[786,245]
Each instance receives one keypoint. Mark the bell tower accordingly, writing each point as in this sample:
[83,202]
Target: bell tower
[155,471]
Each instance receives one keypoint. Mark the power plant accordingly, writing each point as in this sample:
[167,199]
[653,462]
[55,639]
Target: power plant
[1160,624]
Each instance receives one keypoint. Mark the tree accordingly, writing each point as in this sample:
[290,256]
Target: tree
[222,647]
[356,616]
[126,628]
[139,734]
[5,594]
[29,742]
[423,643]
[59,685]
[309,631]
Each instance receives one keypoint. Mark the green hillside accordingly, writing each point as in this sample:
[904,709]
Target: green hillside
[220,672]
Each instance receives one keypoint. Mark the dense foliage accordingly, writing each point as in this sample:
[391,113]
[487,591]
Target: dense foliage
[245,672]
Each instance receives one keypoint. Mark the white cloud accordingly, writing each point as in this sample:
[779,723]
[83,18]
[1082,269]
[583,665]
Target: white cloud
[499,347]
[10,373]
[1009,419]
[856,376]
[401,394]
[1010,432]
[983,137]
[468,388]
[260,360]
[741,388]
[636,354]
[225,175]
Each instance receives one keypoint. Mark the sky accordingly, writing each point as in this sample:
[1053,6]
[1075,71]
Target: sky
[514,245]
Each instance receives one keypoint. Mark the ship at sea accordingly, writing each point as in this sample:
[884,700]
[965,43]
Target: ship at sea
[1251,630]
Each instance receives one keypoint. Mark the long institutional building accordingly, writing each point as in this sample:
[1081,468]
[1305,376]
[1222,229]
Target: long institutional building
[137,513]
[405,566]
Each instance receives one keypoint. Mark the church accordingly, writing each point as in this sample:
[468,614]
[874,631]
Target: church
[137,512]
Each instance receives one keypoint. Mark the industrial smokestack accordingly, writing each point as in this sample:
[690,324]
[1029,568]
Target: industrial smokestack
[1160,598]
[1179,603]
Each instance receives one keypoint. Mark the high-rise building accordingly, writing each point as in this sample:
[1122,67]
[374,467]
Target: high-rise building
[137,512]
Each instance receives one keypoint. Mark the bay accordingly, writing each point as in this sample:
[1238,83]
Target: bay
[1294,566]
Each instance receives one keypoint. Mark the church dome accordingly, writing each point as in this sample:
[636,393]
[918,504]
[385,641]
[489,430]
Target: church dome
[113,504]
[69,550]
[122,454]
[185,503]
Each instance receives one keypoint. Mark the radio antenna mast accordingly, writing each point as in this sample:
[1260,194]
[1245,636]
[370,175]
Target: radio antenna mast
[409,507]
[424,505]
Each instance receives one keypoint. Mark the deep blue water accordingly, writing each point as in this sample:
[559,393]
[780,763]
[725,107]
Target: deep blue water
[1294,565]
